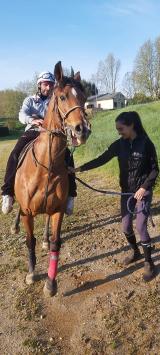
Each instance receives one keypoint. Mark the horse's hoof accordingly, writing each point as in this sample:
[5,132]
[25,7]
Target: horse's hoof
[15,229]
[30,279]
[45,246]
[50,290]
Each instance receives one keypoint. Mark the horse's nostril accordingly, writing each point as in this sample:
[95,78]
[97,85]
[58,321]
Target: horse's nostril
[78,128]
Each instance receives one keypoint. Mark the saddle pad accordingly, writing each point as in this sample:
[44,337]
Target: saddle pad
[24,151]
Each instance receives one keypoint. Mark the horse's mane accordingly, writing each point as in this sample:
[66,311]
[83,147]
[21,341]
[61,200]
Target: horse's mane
[72,82]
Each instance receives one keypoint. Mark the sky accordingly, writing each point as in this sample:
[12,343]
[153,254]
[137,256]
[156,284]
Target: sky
[35,34]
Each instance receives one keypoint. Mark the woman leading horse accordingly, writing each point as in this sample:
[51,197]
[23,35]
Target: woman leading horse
[138,165]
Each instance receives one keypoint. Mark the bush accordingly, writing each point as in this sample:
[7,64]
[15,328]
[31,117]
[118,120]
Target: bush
[4,131]
[140,98]
[11,124]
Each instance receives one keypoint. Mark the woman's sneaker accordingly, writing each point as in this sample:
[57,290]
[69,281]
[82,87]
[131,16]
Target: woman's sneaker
[7,203]
[70,205]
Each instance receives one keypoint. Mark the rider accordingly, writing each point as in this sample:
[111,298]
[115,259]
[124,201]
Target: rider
[32,114]
[138,172]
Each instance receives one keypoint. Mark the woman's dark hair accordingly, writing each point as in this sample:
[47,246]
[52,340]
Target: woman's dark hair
[129,118]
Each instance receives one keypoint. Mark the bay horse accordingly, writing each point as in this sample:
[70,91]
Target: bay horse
[41,183]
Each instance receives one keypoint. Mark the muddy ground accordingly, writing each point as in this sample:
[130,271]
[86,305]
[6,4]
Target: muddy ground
[101,307]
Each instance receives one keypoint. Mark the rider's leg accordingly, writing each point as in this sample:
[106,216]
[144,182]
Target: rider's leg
[127,226]
[8,187]
[72,184]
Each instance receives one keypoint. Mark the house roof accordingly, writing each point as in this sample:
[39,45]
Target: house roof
[101,97]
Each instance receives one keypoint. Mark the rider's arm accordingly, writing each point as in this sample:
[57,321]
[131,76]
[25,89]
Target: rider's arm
[110,153]
[26,113]
[153,163]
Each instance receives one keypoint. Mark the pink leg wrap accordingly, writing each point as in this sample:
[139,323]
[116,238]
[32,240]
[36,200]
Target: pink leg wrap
[53,264]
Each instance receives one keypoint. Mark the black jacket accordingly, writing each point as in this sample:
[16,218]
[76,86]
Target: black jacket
[137,162]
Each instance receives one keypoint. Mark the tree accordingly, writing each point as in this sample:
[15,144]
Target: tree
[108,74]
[144,69]
[29,87]
[128,84]
[89,88]
[157,67]
[10,103]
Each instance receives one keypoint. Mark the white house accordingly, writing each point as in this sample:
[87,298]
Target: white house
[106,101]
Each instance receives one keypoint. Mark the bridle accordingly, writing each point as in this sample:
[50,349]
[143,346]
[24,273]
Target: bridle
[66,114]
[53,133]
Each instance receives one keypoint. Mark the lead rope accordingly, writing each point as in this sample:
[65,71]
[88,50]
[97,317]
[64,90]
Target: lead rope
[116,193]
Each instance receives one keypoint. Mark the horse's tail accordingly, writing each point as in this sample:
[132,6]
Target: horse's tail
[15,228]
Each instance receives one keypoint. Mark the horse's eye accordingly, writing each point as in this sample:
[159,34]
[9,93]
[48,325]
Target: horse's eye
[62,97]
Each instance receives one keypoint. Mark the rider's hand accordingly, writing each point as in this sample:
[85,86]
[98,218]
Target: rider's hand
[37,122]
[139,194]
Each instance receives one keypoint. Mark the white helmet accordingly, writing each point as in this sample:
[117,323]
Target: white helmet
[45,76]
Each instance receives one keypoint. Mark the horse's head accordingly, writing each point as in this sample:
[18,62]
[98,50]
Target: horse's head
[70,99]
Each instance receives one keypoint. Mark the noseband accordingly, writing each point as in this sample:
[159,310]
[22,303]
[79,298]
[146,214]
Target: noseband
[64,115]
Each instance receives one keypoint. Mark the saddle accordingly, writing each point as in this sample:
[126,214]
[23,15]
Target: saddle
[24,151]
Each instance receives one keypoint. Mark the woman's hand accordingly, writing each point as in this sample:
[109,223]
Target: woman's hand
[73,170]
[139,194]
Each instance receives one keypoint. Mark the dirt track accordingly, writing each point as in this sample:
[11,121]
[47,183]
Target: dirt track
[101,307]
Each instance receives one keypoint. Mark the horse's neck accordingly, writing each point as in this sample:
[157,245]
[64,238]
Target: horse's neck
[49,144]
[52,120]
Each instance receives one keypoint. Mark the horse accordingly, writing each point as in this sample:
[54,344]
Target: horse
[41,183]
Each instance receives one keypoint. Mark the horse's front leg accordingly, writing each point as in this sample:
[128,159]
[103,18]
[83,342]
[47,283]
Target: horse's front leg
[45,245]
[50,287]
[31,244]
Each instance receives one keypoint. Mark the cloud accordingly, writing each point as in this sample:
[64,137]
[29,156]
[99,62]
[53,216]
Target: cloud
[128,8]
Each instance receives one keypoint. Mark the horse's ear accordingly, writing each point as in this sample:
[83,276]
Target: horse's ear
[58,72]
[77,76]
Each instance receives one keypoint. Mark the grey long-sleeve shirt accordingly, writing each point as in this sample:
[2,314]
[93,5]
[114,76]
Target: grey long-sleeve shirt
[32,105]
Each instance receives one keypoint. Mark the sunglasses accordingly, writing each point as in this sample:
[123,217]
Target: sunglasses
[46,76]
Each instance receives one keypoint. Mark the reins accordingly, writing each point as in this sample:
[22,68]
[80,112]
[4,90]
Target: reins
[52,134]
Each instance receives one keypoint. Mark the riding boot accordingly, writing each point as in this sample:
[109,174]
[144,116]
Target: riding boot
[149,267]
[134,254]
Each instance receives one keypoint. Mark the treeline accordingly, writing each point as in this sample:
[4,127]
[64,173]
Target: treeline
[11,100]
[10,103]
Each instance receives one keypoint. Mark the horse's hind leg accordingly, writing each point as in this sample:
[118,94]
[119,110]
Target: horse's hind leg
[45,245]
[50,287]
[31,243]
[15,226]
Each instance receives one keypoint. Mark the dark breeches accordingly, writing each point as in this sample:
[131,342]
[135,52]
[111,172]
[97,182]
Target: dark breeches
[28,136]
[8,187]
[141,218]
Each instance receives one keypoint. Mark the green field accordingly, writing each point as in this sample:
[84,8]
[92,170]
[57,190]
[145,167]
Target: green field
[104,133]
